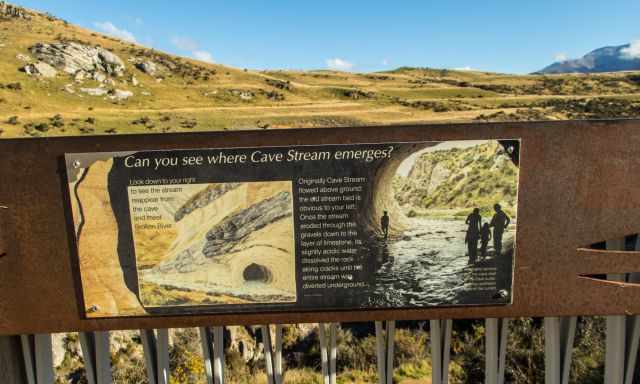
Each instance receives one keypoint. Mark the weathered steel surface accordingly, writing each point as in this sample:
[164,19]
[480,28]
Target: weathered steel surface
[578,186]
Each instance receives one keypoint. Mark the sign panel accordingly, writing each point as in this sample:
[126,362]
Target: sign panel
[297,228]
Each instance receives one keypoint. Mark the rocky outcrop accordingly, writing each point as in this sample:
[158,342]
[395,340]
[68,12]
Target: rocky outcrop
[71,57]
[149,67]
[234,243]
[204,198]
[229,234]
[40,69]
[10,11]
[480,175]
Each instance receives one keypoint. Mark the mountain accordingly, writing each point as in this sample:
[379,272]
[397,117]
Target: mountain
[605,59]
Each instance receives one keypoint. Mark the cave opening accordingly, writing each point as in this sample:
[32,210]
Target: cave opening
[257,273]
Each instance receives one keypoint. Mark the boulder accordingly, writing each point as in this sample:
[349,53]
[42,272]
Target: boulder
[148,67]
[119,94]
[71,57]
[40,69]
[94,91]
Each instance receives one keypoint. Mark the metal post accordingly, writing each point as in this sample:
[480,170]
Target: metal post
[11,364]
[328,351]
[496,348]
[385,344]
[156,353]
[333,355]
[440,333]
[97,356]
[38,358]
[218,355]
[559,334]
[273,354]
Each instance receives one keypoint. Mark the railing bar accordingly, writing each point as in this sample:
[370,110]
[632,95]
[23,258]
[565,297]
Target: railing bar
[436,351]
[380,348]
[103,357]
[43,358]
[88,347]
[333,337]
[502,354]
[551,350]
[447,325]
[491,351]
[148,338]
[207,355]
[266,341]
[323,353]
[29,357]
[218,355]
[568,340]
[277,360]
[390,336]
[162,350]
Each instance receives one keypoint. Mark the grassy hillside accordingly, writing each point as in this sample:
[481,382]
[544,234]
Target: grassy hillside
[192,95]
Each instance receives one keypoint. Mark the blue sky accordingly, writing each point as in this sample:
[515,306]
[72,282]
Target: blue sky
[500,36]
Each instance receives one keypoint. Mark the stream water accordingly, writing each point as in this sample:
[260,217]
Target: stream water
[427,265]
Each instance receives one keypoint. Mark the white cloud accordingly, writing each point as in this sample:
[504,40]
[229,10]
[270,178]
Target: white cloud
[339,64]
[466,68]
[632,51]
[108,28]
[560,56]
[184,43]
[203,56]
[385,62]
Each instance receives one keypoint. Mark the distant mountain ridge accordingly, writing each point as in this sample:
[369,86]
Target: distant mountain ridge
[605,59]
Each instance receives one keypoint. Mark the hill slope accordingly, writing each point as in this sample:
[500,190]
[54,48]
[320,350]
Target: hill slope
[605,59]
[59,79]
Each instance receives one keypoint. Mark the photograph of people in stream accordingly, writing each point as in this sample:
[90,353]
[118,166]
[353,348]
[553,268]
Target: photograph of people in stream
[448,237]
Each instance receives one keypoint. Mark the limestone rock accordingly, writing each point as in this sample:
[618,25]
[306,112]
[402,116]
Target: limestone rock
[40,69]
[23,57]
[71,57]
[134,81]
[119,94]
[148,67]
[13,12]
[94,91]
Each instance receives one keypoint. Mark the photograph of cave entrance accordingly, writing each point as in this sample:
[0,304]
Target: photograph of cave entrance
[445,210]
[83,75]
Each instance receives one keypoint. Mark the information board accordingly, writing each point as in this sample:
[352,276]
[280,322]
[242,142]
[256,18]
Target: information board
[327,227]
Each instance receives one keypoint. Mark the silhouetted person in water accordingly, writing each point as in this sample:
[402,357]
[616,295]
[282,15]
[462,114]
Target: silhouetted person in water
[499,222]
[384,221]
[485,236]
[474,221]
